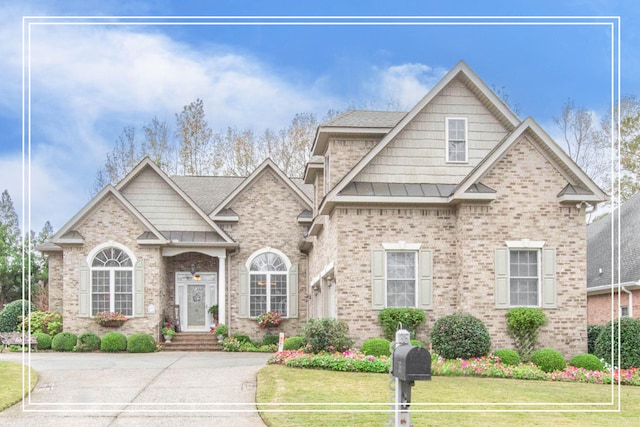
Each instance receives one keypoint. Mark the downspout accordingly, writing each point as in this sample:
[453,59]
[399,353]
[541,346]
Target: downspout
[630,300]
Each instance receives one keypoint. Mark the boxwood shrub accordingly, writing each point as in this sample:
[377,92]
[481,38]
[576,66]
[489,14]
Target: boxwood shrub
[113,342]
[270,339]
[593,331]
[293,343]
[548,360]
[460,335]
[410,318]
[326,334]
[376,347]
[88,341]
[508,357]
[587,361]
[141,343]
[64,341]
[242,337]
[44,340]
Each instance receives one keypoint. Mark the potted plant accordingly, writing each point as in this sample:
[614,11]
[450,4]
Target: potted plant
[214,312]
[221,331]
[269,319]
[110,319]
[168,331]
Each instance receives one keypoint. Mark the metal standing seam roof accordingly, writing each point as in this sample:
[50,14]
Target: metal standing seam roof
[600,244]
[384,189]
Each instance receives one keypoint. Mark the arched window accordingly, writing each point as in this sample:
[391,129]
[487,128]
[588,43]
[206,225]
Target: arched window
[112,281]
[268,284]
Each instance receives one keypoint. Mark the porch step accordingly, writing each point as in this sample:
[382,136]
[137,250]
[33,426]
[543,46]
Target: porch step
[192,341]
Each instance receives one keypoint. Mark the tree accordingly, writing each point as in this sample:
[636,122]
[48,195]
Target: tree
[238,152]
[291,148]
[195,139]
[629,146]
[156,144]
[584,142]
[10,251]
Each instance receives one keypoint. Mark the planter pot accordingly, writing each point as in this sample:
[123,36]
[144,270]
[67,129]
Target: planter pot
[168,338]
[220,338]
[112,323]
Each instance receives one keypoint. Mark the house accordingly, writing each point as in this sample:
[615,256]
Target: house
[619,279]
[455,205]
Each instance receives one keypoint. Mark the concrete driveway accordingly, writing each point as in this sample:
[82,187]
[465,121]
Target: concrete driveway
[160,389]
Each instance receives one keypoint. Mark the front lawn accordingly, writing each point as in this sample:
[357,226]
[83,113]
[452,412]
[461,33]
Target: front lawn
[511,402]
[11,383]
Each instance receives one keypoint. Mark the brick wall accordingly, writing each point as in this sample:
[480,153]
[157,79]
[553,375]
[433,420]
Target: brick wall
[267,212]
[599,307]
[463,240]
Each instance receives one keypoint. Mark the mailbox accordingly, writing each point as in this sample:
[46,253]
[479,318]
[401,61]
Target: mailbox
[411,363]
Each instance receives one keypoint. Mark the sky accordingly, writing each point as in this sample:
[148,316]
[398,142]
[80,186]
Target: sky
[255,64]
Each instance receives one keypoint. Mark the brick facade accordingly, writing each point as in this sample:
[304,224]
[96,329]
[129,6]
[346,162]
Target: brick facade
[600,309]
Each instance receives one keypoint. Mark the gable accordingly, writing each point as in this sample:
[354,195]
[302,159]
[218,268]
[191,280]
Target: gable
[418,153]
[161,204]
[109,218]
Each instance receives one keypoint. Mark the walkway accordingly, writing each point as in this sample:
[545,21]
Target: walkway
[161,389]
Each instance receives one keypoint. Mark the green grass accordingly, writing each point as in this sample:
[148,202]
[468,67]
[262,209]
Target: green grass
[354,393]
[11,383]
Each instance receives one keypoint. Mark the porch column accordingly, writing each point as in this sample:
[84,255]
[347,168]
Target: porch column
[222,284]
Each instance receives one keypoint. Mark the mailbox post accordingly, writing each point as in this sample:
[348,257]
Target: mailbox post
[410,364]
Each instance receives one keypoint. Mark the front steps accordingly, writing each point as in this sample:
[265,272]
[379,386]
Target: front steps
[193,341]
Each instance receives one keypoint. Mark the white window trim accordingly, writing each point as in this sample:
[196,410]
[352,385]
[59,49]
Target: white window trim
[287,263]
[96,250]
[525,244]
[401,247]
[538,250]
[466,140]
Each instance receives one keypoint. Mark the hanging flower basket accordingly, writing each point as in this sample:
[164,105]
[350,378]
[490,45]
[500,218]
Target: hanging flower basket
[269,319]
[110,319]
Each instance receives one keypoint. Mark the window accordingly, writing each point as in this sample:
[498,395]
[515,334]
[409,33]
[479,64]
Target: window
[523,278]
[112,282]
[456,140]
[401,276]
[401,279]
[268,275]
[624,311]
[525,275]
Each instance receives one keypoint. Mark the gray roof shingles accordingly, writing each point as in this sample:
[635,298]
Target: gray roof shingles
[366,119]
[599,246]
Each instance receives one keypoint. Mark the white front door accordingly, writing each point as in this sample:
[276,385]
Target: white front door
[194,297]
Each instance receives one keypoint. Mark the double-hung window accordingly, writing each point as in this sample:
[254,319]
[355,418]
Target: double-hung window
[456,135]
[524,277]
[401,277]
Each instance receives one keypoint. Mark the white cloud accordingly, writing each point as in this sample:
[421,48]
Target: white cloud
[402,86]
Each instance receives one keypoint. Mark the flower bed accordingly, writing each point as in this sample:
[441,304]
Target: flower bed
[487,366]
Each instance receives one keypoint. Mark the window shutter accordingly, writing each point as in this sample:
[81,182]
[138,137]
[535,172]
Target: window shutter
[548,278]
[243,293]
[377,279]
[293,291]
[138,289]
[502,277]
[83,291]
[425,284]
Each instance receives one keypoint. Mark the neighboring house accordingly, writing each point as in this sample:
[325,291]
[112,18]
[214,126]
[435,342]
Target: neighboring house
[456,205]
[604,278]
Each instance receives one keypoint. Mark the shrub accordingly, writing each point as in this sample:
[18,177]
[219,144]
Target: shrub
[629,343]
[410,318]
[376,347]
[40,321]
[587,361]
[293,343]
[460,335]
[326,335]
[12,314]
[44,340]
[270,339]
[113,342]
[417,343]
[523,325]
[233,344]
[508,357]
[242,337]
[88,341]
[141,343]
[548,360]
[592,335]
[64,341]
